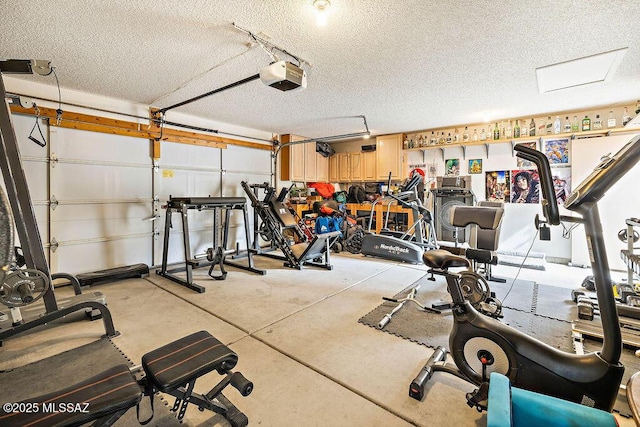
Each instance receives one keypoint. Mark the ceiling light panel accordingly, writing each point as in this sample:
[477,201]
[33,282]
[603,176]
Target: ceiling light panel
[581,71]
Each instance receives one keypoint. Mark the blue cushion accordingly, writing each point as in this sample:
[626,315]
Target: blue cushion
[527,408]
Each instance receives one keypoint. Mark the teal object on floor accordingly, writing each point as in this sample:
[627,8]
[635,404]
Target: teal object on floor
[510,406]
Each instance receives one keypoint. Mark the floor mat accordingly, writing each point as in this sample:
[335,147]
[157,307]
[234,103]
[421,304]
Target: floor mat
[522,311]
[59,371]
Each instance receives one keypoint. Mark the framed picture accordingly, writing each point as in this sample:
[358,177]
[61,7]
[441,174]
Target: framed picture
[452,167]
[525,186]
[557,151]
[522,163]
[497,186]
[561,183]
[475,166]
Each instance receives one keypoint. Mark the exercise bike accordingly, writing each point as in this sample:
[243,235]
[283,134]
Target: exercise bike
[481,345]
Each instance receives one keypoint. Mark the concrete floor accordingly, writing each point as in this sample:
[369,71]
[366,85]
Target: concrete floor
[298,339]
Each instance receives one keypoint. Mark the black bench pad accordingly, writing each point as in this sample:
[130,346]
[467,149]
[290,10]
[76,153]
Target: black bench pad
[186,359]
[106,393]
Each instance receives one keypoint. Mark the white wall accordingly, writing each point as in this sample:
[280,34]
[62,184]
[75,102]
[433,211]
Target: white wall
[518,229]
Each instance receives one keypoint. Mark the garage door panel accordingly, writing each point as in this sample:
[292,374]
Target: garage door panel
[184,183]
[87,257]
[37,173]
[90,229]
[243,159]
[72,144]
[78,182]
[192,156]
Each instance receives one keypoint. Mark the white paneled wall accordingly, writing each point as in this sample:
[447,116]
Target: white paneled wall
[94,194]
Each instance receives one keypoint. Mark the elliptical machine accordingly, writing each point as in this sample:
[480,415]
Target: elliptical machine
[405,246]
[481,345]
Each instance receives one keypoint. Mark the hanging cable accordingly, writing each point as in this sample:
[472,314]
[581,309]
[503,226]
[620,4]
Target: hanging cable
[521,266]
[37,125]
[59,110]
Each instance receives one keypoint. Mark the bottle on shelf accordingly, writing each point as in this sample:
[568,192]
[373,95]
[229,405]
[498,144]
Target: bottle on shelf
[516,130]
[483,135]
[567,125]
[496,132]
[465,135]
[549,126]
[586,123]
[434,139]
[405,144]
[638,107]
[509,130]
[474,137]
[420,141]
[611,121]
[456,135]
[575,125]
[557,125]
[532,128]
[411,143]
[449,139]
[626,118]
[597,123]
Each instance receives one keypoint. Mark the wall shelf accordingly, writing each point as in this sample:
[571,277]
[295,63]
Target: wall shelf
[515,141]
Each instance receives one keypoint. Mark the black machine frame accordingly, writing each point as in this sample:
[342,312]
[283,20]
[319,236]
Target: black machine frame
[315,253]
[25,219]
[591,379]
[217,254]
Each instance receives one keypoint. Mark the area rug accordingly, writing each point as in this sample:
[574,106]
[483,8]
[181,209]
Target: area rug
[67,368]
[529,307]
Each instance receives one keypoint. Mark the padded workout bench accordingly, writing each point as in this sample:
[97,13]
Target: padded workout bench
[172,369]
[215,255]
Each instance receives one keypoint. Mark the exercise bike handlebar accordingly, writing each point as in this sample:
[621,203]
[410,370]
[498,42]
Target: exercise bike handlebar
[550,204]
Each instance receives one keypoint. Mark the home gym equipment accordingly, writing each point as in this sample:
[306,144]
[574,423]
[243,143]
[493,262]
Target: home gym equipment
[172,369]
[404,246]
[276,219]
[410,297]
[450,191]
[511,406]
[481,345]
[216,255]
[20,287]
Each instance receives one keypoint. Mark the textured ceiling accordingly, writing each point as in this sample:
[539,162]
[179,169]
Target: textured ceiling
[406,65]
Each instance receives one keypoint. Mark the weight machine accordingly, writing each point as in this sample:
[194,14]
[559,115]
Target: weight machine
[21,287]
[276,218]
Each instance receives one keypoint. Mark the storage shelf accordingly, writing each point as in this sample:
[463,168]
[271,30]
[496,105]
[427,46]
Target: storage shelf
[514,141]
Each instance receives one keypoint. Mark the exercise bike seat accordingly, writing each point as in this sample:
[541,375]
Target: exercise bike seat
[443,260]
[186,359]
[109,392]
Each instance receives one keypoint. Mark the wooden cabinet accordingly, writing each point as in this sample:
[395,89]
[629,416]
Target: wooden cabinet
[292,159]
[343,167]
[356,166]
[301,162]
[310,162]
[389,156]
[333,169]
[369,160]
[322,166]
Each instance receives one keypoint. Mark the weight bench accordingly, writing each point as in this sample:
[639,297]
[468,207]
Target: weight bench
[172,369]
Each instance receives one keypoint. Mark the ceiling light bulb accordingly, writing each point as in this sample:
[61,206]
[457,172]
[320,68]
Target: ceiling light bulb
[321,7]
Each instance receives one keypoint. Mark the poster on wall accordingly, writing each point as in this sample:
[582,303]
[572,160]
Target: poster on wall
[475,166]
[497,186]
[561,183]
[522,163]
[557,151]
[452,167]
[525,186]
